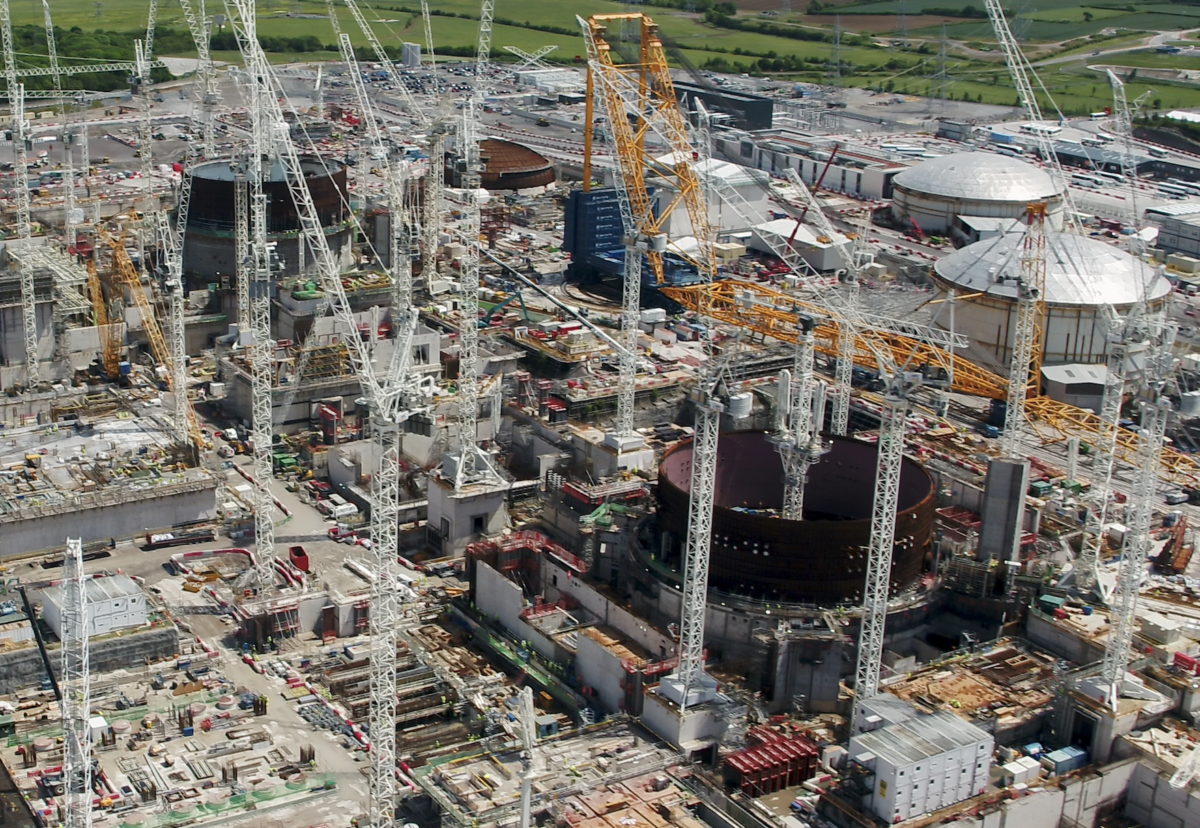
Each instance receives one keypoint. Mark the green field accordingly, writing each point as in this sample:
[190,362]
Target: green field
[1148,60]
[1075,88]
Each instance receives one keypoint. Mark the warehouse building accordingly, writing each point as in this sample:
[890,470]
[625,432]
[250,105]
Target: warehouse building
[1180,234]
[744,110]
[920,763]
[113,603]
[857,170]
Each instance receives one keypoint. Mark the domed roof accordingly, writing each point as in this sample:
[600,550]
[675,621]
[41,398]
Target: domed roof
[978,176]
[1079,270]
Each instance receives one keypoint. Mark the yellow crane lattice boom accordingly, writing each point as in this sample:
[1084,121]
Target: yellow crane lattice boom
[772,313]
[124,273]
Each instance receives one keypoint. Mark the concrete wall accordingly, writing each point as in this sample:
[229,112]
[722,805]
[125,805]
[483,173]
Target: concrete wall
[500,598]
[23,668]
[605,610]
[452,518]
[1060,639]
[600,669]
[24,408]
[1152,801]
[112,520]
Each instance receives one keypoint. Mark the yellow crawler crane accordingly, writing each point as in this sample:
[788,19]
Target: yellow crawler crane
[126,275]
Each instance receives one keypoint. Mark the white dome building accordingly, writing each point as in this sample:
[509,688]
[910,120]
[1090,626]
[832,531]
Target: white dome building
[1083,277]
[981,184]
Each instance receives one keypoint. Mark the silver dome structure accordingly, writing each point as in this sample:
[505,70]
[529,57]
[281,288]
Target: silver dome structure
[1084,276]
[937,192]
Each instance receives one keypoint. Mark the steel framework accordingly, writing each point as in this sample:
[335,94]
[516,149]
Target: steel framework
[75,684]
[773,313]
[801,436]
[1026,368]
[1024,76]
[644,91]
[20,141]
[888,465]
[1117,652]
[393,395]
[1088,564]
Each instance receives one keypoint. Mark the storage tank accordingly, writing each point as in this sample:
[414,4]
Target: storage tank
[1083,277]
[820,559]
[985,184]
[208,244]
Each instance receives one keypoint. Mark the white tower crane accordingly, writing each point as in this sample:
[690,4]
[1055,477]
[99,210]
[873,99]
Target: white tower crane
[65,110]
[392,395]
[1123,339]
[75,685]
[254,168]
[1025,369]
[19,135]
[1024,77]
[1137,544]
[800,437]
[888,465]
[471,464]
[527,720]
[843,372]
[199,25]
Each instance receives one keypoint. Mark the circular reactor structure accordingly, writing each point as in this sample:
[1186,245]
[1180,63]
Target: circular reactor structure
[506,166]
[1084,277]
[937,192]
[819,560]
[208,245]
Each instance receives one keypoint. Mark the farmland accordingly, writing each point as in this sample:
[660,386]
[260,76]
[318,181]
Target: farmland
[795,47]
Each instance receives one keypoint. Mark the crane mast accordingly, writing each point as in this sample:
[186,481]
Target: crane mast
[64,111]
[800,439]
[1134,553]
[645,90]
[888,465]
[1023,77]
[75,683]
[391,399]
[19,135]
[1026,367]
[199,26]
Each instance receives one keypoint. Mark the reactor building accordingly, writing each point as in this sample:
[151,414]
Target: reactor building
[208,245]
[1084,278]
[939,193]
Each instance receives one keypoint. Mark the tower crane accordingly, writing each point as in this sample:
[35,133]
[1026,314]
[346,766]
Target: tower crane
[199,25]
[1137,544]
[527,719]
[75,684]
[68,180]
[471,464]
[1024,77]
[254,170]
[1124,113]
[393,395]
[802,399]
[19,135]
[843,372]
[645,91]
[1025,370]
[1123,341]
[889,463]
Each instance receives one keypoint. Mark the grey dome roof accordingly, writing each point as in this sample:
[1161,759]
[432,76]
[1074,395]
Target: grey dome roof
[978,176]
[1079,270]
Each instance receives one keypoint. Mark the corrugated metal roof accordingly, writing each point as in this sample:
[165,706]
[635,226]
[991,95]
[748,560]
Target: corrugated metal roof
[98,589]
[920,738]
[1079,270]
[978,176]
